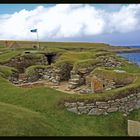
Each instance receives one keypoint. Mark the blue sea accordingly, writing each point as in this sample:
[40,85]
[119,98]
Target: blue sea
[133,57]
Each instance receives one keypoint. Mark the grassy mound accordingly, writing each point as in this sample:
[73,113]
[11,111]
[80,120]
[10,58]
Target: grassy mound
[45,102]
[30,71]
[18,121]
[32,54]
[85,63]
[8,55]
[75,56]
[6,71]
[118,77]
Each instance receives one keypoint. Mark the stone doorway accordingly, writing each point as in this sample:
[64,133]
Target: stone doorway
[50,57]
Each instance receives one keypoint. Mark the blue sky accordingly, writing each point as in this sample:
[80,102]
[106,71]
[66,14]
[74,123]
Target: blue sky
[11,8]
[116,24]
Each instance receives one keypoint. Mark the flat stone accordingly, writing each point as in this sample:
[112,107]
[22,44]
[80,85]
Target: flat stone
[133,98]
[128,97]
[80,103]
[73,83]
[131,95]
[75,76]
[122,109]
[123,99]
[74,110]
[74,80]
[115,104]
[111,101]
[46,76]
[112,109]
[125,115]
[101,103]
[108,89]
[90,107]
[117,100]
[133,128]
[83,70]
[77,89]
[90,104]
[83,110]
[96,85]
[67,89]
[131,109]
[138,94]
[70,105]
[96,111]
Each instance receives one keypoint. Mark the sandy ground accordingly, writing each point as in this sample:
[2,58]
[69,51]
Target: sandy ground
[63,86]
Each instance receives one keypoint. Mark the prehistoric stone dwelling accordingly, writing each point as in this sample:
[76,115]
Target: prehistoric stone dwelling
[96,74]
[90,74]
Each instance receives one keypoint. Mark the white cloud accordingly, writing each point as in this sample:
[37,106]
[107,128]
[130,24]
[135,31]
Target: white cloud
[69,20]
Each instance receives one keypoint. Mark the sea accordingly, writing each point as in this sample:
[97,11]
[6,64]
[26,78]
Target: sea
[133,57]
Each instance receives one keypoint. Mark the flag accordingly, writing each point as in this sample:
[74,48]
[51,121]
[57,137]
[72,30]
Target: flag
[33,30]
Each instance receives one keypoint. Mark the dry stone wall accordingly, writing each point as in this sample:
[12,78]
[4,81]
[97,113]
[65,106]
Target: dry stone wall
[22,62]
[14,78]
[109,61]
[125,105]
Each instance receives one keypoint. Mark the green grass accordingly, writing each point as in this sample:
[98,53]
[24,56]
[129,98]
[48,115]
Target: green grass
[8,55]
[111,74]
[51,117]
[6,71]
[85,63]
[33,54]
[31,69]
[39,111]
[72,56]
[18,121]
[135,115]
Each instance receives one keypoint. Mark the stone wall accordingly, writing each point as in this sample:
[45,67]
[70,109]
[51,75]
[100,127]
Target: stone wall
[14,78]
[109,61]
[53,74]
[79,76]
[75,80]
[125,105]
[22,62]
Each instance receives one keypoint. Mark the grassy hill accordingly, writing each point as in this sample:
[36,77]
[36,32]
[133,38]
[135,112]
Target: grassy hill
[37,111]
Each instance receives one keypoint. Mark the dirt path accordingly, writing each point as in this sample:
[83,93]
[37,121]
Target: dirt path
[63,86]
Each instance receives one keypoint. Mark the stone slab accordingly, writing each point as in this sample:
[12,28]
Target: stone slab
[133,128]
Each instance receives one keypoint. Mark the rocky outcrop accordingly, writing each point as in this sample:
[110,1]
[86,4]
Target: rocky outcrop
[109,61]
[125,105]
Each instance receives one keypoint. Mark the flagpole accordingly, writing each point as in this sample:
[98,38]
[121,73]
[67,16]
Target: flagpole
[38,39]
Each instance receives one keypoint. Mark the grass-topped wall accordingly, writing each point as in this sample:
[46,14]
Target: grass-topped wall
[6,71]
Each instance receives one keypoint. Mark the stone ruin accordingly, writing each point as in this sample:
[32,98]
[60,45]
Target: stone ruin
[81,80]
[123,104]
